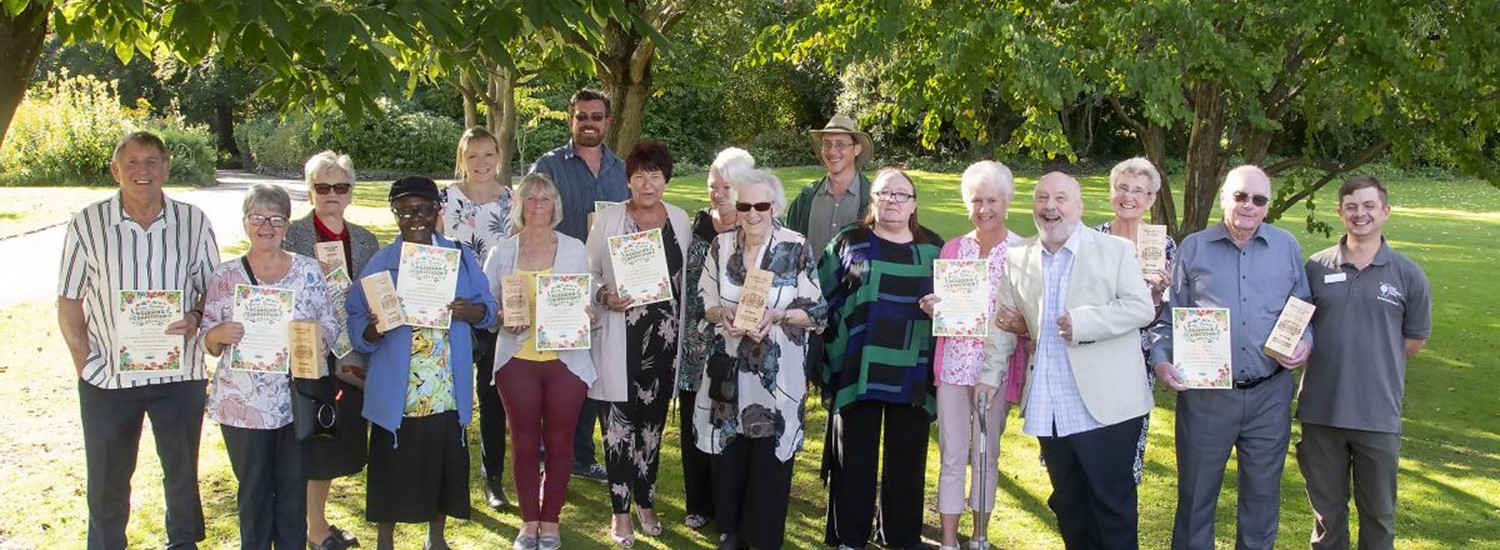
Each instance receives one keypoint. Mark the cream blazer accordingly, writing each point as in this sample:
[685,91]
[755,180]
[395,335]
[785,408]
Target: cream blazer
[1108,302]
[609,329]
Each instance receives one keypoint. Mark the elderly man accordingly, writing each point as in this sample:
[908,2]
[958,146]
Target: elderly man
[843,195]
[1250,268]
[138,239]
[1082,298]
[1374,314]
[585,170]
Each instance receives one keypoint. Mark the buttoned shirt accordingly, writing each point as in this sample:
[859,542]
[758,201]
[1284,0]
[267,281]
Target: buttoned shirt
[579,187]
[1252,281]
[830,213]
[1054,408]
[104,252]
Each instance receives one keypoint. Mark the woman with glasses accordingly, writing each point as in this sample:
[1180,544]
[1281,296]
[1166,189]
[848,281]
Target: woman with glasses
[476,212]
[330,189]
[254,408]
[755,436]
[698,334]
[877,381]
[636,348]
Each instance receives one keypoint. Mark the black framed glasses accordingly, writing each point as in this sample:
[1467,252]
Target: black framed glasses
[758,206]
[585,117]
[423,211]
[1257,200]
[895,196]
[257,220]
[339,188]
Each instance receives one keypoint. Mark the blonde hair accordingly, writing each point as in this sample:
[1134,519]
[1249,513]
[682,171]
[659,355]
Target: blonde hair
[535,180]
[463,149]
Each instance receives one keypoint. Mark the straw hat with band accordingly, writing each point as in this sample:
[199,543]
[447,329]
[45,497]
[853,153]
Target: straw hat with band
[841,124]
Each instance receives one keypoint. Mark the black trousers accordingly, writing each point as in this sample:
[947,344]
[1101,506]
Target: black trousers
[697,469]
[272,494]
[112,424]
[752,489]
[1093,486]
[583,433]
[492,438]
[852,485]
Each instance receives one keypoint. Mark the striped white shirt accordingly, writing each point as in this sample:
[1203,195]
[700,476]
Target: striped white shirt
[1054,407]
[105,252]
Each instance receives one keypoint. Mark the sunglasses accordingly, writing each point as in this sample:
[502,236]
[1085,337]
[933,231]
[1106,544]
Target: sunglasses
[1257,200]
[257,220]
[585,117]
[759,206]
[339,188]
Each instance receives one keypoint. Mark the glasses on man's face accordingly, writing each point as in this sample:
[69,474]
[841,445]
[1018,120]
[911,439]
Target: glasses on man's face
[747,206]
[585,117]
[838,146]
[1258,200]
[257,220]
[1127,190]
[423,211]
[339,188]
[895,196]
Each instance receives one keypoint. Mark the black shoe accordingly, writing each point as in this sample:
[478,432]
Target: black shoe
[731,542]
[494,493]
[592,471]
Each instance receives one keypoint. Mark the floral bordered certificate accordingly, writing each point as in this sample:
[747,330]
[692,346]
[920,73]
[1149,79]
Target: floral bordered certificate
[266,314]
[562,322]
[964,286]
[146,350]
[426,282]
[1201,347]
[640,262]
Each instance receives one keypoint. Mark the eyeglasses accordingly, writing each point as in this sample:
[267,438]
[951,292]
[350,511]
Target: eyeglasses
[1126,190]
[1257,200]
[838,146]
[257,220]
[424,211]
[895,196]
[339,188]
[585,117]
[758,206]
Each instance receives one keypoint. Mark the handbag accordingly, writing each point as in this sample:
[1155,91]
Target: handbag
[314,401]
[723,379]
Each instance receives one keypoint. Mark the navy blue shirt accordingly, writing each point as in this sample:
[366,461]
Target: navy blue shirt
[579,187]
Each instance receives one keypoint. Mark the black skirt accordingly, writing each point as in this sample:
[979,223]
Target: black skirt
[419,472]
[344,455]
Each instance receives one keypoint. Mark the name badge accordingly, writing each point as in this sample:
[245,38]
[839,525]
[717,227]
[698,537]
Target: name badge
[1335,278]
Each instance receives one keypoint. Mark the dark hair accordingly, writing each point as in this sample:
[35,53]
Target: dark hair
[588,94]
[1361,182]
[141,138]
[649,156]
[887,172]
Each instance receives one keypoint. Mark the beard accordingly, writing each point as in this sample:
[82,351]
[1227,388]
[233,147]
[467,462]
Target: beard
[587,140]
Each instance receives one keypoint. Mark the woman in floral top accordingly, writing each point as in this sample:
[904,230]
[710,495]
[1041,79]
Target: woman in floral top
[987,189]
[254,409]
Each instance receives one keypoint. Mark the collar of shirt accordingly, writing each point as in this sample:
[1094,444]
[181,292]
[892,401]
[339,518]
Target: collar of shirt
[117,215]
[1382,256]
[853,190]
[327,233]
[608,158]
[1219,231]
[1071,245]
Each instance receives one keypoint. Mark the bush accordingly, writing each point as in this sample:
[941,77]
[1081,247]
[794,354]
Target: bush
[397,144]
[782,148]
[66,130]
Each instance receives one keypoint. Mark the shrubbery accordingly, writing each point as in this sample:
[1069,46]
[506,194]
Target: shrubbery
[396,144]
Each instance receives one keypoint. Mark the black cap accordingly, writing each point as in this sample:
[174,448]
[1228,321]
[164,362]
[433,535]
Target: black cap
[414,185]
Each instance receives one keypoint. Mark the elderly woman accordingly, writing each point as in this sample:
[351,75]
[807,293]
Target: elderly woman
[543,390]
[987,188]
[755,436]
[879,367]
[254,408]
[698,334]
[330,189]
[476,212]
[635,351]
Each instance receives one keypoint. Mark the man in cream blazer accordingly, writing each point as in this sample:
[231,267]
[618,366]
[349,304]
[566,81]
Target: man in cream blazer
[1082,299]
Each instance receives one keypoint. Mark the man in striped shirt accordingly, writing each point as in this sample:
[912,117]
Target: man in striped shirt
[137,239]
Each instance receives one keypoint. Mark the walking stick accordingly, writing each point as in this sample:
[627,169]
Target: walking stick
[981,539]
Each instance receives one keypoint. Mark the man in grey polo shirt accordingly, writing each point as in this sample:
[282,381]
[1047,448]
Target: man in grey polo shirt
[842,196]
[1374,314]
[1250,268]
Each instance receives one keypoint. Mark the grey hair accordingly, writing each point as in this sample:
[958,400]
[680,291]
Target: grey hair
[729,161]
[268,196]
[746,178]
[1137,166]
[534,180]
[987,172]
[325,162]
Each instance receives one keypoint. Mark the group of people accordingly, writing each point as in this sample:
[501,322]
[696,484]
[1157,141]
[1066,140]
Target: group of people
[1080,338]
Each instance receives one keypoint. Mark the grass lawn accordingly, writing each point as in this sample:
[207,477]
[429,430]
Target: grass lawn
[1450,490]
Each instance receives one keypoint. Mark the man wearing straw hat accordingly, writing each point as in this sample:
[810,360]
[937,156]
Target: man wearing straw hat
[840,198]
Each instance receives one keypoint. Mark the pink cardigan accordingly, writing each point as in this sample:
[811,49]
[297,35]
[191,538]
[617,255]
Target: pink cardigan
[1015,379]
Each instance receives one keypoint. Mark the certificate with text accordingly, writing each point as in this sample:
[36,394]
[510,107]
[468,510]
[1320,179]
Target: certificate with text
[562,322]
[964,286]
[426,282]
[146,350]
[1201,347]
[640,262]
[266,313]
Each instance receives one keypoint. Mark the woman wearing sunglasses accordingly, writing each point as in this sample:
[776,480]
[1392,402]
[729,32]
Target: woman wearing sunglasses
[755,434]
[330,189]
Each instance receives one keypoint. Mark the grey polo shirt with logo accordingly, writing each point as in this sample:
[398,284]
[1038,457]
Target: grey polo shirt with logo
[1356,377]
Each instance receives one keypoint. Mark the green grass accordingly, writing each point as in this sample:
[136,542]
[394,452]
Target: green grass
[1450,490]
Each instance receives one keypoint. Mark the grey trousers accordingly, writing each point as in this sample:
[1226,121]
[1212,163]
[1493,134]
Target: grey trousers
[1257,424]
[1328,456]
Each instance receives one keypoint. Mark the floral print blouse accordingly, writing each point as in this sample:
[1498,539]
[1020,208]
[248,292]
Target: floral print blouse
[429,388]
[480,226]
[961,357]
[252,400]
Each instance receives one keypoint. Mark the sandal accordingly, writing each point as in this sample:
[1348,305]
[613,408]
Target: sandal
[623,541]
[695,521]
[652,528]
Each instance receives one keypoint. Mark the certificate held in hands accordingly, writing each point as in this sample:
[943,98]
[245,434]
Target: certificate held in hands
[753,297]
[964,286]
[330,254]
[640,262]
[513,301]
[562,319]
[426,282]
[265,312]
[307,350]
[1151,250]
[385,304]
[146,350]
[1201,347]
[1282,343]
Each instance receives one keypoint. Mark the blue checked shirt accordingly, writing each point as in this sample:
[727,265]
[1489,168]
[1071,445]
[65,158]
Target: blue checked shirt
[1054,408]
[579,187]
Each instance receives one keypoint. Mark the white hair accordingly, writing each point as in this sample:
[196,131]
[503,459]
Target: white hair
[730,161]
[745,178]
[1137,166]
[987,172]
[325,162]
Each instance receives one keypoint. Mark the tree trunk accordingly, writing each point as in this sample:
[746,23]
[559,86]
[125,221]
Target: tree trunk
[1205,158]
[22,36]
[1164,212]
[224,126]
[502,117]
[471,106]
[624,68]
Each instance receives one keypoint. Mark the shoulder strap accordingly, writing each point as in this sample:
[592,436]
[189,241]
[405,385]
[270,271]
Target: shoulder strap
[250,273]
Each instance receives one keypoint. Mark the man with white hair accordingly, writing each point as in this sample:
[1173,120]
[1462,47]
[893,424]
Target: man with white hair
[1082,298]
[1250,268]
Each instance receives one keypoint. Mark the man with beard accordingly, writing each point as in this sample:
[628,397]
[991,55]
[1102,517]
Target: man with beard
[1251,269]
[1082,298]
[585,170]
[842,196]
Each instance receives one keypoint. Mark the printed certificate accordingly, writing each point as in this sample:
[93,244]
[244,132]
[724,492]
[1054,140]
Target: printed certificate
[1151,250]
[331,255]
[380,295]
[964,286]
[561,320]
[338,288]
[427,279]
[513,301]
[1201,347]
[146,350]
[266,313]
[599,206]
[1282,343]
[307,350]
[640,262]
[753,298]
